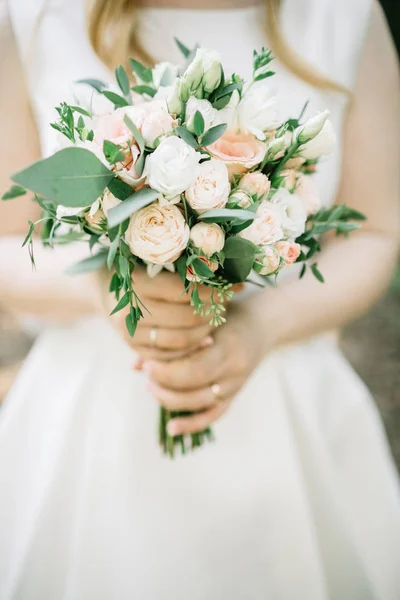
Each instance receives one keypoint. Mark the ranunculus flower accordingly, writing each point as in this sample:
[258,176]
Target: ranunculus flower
[240,198]
[239,151]
[158,234]
[205,69]
[307,190]
[267,226]
[257,111]
[172,168]
[289,251]
[210,114]
[190,273]
[208,237]
[293,211]
[269,262]
[255,184]
[321,145]
[109,201]
[211,187]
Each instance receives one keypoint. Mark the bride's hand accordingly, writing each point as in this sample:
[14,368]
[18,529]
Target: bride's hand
[208,380]
[169,330]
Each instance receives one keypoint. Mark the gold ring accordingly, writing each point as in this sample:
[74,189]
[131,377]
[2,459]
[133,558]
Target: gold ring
[216,392]
[153,337]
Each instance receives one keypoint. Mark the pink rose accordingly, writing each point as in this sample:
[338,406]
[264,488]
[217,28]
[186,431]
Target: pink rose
[191,274]
[307,190]
[113,128]
[289,251]
[255,184]
[239,151]
[267,226]
[152,119]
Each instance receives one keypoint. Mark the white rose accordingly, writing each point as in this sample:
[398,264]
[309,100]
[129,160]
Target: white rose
[255,184]
[158,234]
[312,127]
[208,237]
[211,187]
[164,74]
[172,167]
[205,69]
[241,198]
[269,262]
[321,145]
[257,111]
[109,201]
[267,226]
[294,215]
[209,114]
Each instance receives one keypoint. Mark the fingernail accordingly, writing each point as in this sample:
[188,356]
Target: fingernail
[147,367]
[207,342]
[172,429]
[138,364]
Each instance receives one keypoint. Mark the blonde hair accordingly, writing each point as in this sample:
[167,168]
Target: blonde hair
[111,35]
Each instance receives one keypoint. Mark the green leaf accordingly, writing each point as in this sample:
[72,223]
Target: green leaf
[112,253]
[98,85]
[15,191]
[71,177]
[185,51]
[303,270]
[264,75]
[135,132]
[201,269]
[228,89]
[137,201]
[141,71]
[112,152]
[223,215]
[131,324]
[123,266]
[120,189]
[122,79]
[213,134]
[239,258]
[116,99]
[186,136]
[29,235]
[81,111]
[121,304]
[198,123]
[144,89]
[317,273]
[181,268]
[93,263]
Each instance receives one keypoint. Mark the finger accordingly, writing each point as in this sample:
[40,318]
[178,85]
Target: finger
[150,354]
[170,315]
[196,400]
[166,286]
[197,422]
[196,371]
[173,339]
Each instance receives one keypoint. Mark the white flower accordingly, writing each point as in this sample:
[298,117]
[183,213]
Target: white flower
[321,145]
[172,167]
[241,198]
[257,111]
[211,187]
[205,69]
[267,226]
[294,215]
[276,148]
[312,127]
[164,74]
[170,94]
[153,120]
[269,262]
[255,184]
[158,234]
[109,201]
[208,237]
[69,211]
[205,108]
[228,113]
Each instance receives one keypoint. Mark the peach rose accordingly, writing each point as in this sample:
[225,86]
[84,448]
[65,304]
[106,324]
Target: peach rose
[113,128]
[211,188]
[307,190]
[269,263]
[239,151]
[208,237]
[267,226]
[152,119]
[191,274]
[255,184]
[240,198]
[289,251]
[158,234]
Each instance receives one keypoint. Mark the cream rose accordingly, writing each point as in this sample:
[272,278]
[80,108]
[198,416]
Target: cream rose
[307,190]
[191,274]
[240,198]
[211,187]
[269,262]
[267,226]
[109,201]
[173,167]
[257,111]
[239,151]
[293,211]
[289,251]
[158,234]
[208,237]
[255,184]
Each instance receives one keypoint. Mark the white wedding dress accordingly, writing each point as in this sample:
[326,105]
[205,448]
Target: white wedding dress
[297,499]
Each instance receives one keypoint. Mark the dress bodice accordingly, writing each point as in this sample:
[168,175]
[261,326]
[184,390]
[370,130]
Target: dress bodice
[328,34]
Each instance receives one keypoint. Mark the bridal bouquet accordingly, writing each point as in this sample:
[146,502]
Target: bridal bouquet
[189,170]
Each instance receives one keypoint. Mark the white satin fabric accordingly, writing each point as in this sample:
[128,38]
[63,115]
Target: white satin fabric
[298,498]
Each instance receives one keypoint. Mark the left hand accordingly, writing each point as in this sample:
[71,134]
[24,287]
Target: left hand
[207,381]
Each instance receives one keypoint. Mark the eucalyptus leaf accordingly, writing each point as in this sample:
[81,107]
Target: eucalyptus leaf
[112,253]
[131,324]
[121,304]
[213,134]
[137,201]
[223,215]
[93,263]
[135,131]
[71,177]
[15,191]
[122,79]
[181,268]
[144,89]
[143,73]
[201,269]
[198,123]
[81,111]
[185,51]
[317,273]
[120,189]
[186,136]
[239,258]
[96,84]
[112,152]
[116,99]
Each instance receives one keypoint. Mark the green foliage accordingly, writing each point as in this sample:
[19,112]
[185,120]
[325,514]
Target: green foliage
[137,201]
[112,152]
[120,189]
[186,136]
[198,123]
[96,84]
[213,134]
[15,191]
[239,258]
[261,61]
[93,263]
[122,79]
[225,215]
[144,89]
[185,51]
[143,73]
[116,99]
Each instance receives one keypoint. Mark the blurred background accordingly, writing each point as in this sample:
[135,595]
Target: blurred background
[372,343]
